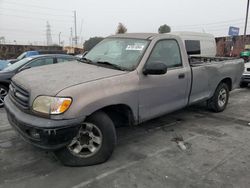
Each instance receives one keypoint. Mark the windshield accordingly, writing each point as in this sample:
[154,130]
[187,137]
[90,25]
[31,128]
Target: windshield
[18,64]
[125,53]
[23,55]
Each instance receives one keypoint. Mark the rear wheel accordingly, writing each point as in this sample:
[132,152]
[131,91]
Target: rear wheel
[3,93]
[220,98]
[93,144]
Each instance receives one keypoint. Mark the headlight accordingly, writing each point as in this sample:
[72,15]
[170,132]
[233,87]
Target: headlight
[51,105]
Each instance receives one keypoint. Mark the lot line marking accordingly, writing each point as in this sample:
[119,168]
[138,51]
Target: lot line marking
[123,167]
[101,176]
[230,155]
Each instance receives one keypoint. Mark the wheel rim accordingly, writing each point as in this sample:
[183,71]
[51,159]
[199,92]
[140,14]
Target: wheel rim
[222,98]
[3,93]
[87,142]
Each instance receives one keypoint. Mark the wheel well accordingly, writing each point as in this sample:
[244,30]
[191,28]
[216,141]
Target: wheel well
[120,114]
[5,84]
[227,81]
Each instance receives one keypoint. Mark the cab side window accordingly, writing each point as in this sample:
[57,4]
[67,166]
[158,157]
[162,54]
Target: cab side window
[41,62]
[193,47]
[62,60]
[167,52]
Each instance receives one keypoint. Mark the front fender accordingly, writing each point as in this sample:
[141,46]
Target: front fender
[92,96]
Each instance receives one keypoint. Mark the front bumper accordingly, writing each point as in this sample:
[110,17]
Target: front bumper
[245,78]
[41,132]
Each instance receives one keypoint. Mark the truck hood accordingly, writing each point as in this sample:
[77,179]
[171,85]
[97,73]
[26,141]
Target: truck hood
[51,79]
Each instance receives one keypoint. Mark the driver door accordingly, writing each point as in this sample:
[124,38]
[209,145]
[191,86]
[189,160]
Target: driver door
[160,94]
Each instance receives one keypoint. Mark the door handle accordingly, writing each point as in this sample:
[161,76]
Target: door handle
[181,76]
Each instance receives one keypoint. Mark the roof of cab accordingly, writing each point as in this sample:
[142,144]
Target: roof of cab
[152,35]
[190,33]
[135,35]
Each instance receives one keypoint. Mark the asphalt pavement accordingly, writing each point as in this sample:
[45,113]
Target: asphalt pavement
[189,148]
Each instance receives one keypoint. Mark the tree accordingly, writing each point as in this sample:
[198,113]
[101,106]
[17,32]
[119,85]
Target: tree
[164,29]
[89,44]
[121,29]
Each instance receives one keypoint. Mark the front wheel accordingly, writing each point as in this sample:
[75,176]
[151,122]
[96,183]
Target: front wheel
[93,144]
[3,93]
[220,98]
[243,84]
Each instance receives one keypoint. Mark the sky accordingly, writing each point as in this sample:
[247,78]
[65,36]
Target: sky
[24,22]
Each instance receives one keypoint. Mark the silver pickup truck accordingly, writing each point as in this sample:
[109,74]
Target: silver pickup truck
[74,108]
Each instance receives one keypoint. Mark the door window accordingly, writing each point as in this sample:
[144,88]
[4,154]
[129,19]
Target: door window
[167,52]
[62,60]
[41,62]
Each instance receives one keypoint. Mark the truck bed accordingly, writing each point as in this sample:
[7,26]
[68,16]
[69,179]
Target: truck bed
[200,60]
[207,72]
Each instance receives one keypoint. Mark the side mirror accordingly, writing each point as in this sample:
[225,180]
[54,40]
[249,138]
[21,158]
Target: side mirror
[85,53]
[189,58]
[23,68]
[155,69]
[82,55]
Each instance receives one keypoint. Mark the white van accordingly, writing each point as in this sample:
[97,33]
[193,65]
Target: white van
[198,44]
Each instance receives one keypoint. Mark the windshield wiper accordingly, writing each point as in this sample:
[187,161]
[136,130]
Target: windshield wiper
[111,65]
[85,60]
[89,61]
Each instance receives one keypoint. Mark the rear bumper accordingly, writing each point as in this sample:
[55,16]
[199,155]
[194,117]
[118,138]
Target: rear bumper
[41,132]
[245,78]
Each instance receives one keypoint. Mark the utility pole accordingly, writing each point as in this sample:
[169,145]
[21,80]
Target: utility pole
[2,40]
[245,31]
[75,29]
[71,37]
[59,38]
[48,34]
[80,35]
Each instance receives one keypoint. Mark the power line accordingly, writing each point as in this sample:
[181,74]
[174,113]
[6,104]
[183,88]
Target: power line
[25,37]
[33,12]
[212,29]
[25,17]
[212,26]
[40,32]
[35,6]
[217,25]
[211,23]
[28,32]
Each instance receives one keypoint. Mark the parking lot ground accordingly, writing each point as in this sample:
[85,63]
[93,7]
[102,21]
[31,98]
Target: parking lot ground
[217,153]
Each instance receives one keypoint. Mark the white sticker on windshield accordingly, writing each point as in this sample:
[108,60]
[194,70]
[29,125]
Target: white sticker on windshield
[138,47]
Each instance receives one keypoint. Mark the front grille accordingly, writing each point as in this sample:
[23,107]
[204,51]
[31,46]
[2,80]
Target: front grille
[19,96]
[248,69]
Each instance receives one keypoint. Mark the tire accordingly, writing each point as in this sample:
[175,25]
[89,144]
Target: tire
[243,84]
[3,92]
[220,98]
[80,152]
